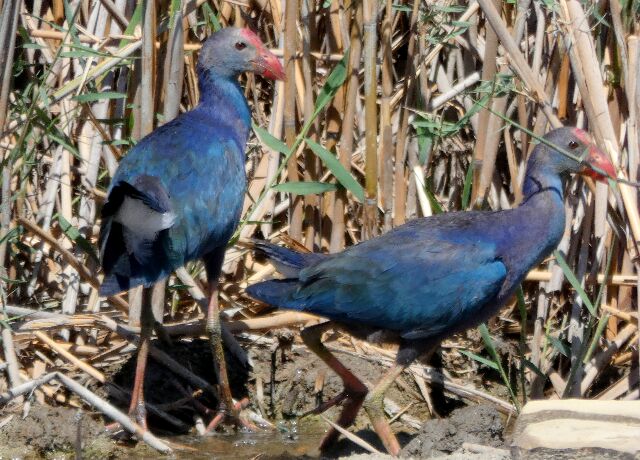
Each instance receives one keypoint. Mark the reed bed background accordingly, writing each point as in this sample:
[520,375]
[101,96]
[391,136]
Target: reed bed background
[390,111]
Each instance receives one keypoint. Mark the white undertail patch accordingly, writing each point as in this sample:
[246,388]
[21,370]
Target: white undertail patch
[141,226]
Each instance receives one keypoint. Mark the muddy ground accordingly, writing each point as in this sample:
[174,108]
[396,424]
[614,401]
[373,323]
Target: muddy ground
[53,432]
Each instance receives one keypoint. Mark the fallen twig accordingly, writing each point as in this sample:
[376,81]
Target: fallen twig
[352,437]
[113,413]
[92,371]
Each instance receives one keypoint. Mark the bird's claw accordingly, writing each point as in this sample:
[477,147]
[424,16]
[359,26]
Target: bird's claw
[138,415]
[231,417]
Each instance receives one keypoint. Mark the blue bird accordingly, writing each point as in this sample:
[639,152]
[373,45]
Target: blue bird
[178,194]
[431,277]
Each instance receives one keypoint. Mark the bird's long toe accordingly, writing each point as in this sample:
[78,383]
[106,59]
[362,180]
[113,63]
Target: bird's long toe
[139,415]
[232,417]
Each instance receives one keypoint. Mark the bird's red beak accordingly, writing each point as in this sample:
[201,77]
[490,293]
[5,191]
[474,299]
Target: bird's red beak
[265,63]
[597,165]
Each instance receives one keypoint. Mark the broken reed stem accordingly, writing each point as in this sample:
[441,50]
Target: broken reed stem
[113,413]
[352,437]
[92,371]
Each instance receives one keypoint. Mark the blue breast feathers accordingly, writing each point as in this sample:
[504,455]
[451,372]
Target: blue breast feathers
[196,166]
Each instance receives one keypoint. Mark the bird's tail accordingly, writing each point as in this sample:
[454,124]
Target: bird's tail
[275,292]
[287,261]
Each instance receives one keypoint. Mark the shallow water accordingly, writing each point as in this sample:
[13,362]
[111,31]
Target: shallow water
[287,440]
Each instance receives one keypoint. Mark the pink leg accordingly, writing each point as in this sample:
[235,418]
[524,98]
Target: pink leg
[374,406]
[354,390]
[137,409]
[226,409]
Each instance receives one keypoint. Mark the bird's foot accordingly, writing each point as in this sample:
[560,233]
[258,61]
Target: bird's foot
[137,414]
[231,417]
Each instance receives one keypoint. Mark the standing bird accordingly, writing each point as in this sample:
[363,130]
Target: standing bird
[431,277]
[178,194]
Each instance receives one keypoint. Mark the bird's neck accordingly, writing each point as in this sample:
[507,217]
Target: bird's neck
[531,231]
[542,212]
[540,181]
[542,178]
[221,97]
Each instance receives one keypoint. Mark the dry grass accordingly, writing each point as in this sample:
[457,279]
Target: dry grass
[402,96]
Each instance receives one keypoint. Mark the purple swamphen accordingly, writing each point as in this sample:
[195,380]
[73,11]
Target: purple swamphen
[177,195]
[431,277]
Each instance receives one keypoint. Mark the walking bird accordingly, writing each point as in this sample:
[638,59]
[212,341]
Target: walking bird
[431,277]
[177,195]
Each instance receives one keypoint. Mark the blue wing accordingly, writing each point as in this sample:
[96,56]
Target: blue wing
[192,169]
[422,279]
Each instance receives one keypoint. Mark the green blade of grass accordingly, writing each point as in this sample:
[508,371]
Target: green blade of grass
[480,359]
[336,168]
[559,345]
[602,323]
[270,140]
[571,277]
[91,97]
[74,235]
[488,343]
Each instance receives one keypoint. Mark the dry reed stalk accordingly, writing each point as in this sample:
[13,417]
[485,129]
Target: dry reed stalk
[340,117]
[370,210]
[489,70]
[290,48]
[399,183]
[385,153]
[312,213]
[520,64]
[495,124]
[92,371]
[8,25]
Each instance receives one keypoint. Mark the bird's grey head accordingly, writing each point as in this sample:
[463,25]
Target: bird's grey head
[585,157]
[233,50]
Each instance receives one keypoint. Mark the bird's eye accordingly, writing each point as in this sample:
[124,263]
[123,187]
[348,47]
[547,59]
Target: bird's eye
[573,145]
[240,46]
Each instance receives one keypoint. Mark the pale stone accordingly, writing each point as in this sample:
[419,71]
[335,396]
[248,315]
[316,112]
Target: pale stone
[571,433]
[605,408]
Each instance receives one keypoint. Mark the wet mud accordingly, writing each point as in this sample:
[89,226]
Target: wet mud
[287,376]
